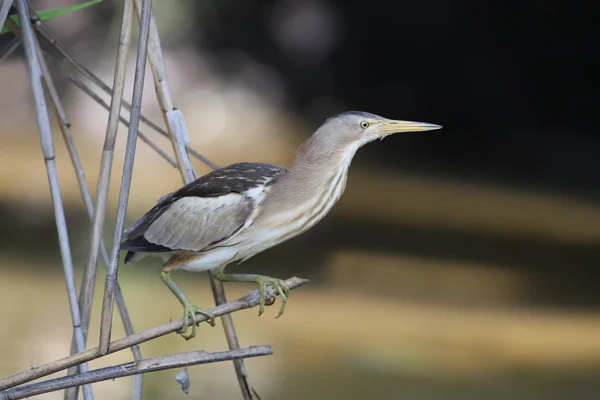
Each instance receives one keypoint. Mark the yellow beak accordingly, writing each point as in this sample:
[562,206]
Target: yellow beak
[391,126]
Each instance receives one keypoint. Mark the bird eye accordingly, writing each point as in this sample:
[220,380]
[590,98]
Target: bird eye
[364,124]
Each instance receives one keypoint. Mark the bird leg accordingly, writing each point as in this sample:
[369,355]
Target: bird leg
[189,309]
[263,281]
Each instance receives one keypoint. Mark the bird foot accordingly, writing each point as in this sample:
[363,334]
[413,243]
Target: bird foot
[189,313]
[279,285]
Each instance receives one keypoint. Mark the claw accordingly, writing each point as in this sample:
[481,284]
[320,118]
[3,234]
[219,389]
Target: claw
[189,313]
[284,300]
[281,288]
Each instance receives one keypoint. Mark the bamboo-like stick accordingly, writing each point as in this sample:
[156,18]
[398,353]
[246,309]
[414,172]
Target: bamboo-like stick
[134,368]
[35,75]
[87,200]
[136,101]
[248,301]
[178,135]
[86,294]
[89,275]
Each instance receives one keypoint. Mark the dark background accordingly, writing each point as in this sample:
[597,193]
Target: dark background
[513,83]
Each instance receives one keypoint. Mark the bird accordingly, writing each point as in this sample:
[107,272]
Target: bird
[235,212]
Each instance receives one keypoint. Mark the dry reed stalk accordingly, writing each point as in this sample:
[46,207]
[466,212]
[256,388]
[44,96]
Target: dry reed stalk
[36,77]
[134,368]
[248,301]
[136,101]
[108,150]
[86,293]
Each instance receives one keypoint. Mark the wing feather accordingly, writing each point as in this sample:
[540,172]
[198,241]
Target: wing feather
[205,213]
[194,223]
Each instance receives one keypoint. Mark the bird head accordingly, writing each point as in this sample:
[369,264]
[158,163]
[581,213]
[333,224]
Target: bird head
[363,127]
[341,135]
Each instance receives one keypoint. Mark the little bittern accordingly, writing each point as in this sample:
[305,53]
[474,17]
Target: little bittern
[235,212]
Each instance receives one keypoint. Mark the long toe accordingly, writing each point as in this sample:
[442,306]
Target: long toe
[283,291]
[186,324]
[189,319]
[263,294]
[210,316]
[191,335]
[191,314]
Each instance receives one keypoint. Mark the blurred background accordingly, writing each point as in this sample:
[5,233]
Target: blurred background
[459,264]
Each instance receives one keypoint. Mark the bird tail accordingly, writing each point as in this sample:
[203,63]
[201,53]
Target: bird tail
[133,257]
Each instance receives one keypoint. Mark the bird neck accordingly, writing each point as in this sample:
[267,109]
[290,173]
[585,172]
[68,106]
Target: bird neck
[324,150]
[318,165]
[317,172]
[305,193]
